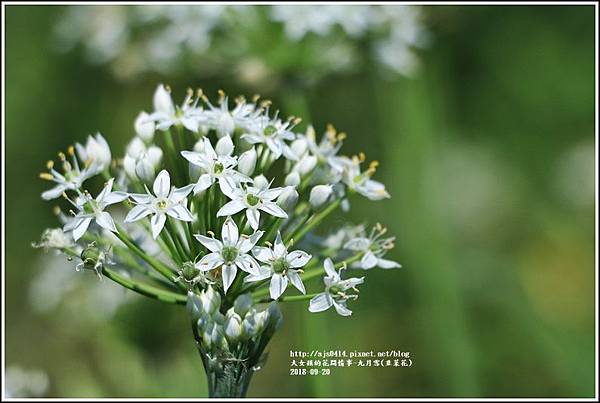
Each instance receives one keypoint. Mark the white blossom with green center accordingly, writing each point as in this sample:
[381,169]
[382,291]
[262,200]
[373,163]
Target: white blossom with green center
[335,293]
[373,247]
[279,265]
[166,201]
[231,253]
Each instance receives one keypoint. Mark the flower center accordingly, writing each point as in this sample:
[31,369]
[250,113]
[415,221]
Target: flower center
[89,207]
[219,168]
[162,204]
[229,254]
[252,200]
[90,256]
[334,290]
[270,130]
[280,265]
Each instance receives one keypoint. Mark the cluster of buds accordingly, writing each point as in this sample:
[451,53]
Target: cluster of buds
[220,205]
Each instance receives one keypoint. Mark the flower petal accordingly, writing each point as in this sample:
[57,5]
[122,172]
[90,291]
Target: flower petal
[141,198]
[231,208]
[115,197]
[296,281]
[194,158]
[80,227]
[341,308]
[229,272]
[358,244]
[278,285]
[247,243]
[204,182]
[212,244]
[273,209]
[387,264]
[157,223]
[263,254]
[137,213]
[229,232]
[180,212]
[105,221]
[369,260]
[162,184]
[209,261]
[320,303]
[179,194]
[330,268]
[264,273]
[253,216]
[248,264]
[297,258]
[279,248]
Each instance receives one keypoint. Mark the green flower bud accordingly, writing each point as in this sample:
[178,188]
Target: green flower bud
[242,304]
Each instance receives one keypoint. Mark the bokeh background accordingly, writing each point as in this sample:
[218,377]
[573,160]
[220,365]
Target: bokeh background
[487,148]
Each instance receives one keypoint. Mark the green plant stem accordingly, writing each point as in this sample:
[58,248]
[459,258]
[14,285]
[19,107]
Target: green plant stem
[291,298]
[145,289]
[312,222]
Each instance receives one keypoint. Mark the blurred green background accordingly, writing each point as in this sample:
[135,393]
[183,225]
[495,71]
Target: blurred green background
[488,153]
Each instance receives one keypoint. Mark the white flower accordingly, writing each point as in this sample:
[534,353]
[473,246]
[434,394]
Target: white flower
[374,248]
[215,166]
[253,200]
[280,266]
[335,291]
[274,133]
[54,238]
[144,127]
[247,162]
[141,162]
[358,181]
[90,209]
[230,253]
[95,153]
[165,201]
[71,179]
[328,147]
[224,121]
[319,195]
[166,114]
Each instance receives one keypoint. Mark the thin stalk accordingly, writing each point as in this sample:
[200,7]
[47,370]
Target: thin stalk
[145,289]
[290,298]
[313,221]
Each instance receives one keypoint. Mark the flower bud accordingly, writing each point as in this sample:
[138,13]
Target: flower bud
[135,148]
[261,182]
[144,170]
[211,300]
[319,195]
[306,165]
[194,305]
[224,145]
[242,304]
[199,146]
[247,162]
[288,198]
[154,154]
[299,147]
[129,166]
[292,179]
[233,327]
[225,125]
[144,127]
[162,100]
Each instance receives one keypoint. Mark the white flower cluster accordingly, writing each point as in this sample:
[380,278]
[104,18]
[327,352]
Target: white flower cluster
[214,198]
[216,34]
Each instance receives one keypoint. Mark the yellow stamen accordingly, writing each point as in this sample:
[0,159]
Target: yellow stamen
[71,151]
[61,155]
[56,210]
[46,176]
[50,164]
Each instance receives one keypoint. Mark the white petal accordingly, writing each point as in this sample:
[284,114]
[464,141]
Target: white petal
[157,222]
[229,272]
[141,198]
[191,124]
[358,244]
[210,261]
[162,184]
[180,212]
[297,258]
[53,193]
[224,145]
[179,194]
[253,216]
[320,303]
[387,264]
[137,213]
[212,244]
[105,221]
[330,268]
[279,248]
[264,273]
[263,254]
[278,285]
[368,261]
[341,308]
[115,197]
[248,264]
[231,208]
[296,281]
[271,194]
[247,243]
[203,183]
[162,100]
[273,209]
[229,232]
[194,158]
[80,227]
[105,190]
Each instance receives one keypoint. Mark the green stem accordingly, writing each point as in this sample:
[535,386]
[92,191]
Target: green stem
[312,222]
[145,289]
[291,298]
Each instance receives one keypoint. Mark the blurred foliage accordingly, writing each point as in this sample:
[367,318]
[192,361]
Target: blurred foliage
[496,297]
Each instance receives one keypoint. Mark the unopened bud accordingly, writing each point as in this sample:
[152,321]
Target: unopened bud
[144,127]
[224,145]
[242,304]
[261,182]
[319,195]
[247,162]
[306,165]
[288,198]
[211,300]
[293,179]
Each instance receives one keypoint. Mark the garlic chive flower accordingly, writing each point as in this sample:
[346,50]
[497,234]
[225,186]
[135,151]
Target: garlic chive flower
[93,209]
[95,154]
[226,121]
[279,265]
[253,200]
[231,253]
[373,247]
[165,201]
[167,114]
[72,177]
[358,181]
[273,133]
[335,293]
[216,165]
